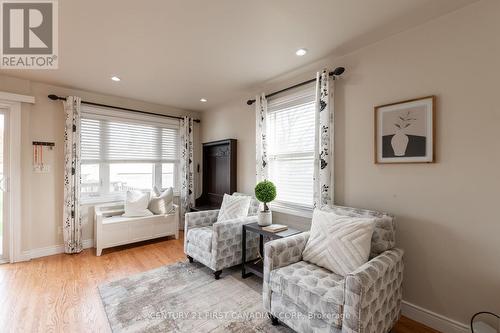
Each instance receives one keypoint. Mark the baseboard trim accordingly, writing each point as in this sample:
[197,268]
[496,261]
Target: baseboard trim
[51,250]
[432,319]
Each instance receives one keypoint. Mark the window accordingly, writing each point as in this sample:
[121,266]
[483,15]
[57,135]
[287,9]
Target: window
[123,152]
[290,133]
[90,178]
[167,174]
[130,176]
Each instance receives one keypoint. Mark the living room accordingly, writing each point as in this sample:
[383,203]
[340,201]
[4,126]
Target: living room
[145,155]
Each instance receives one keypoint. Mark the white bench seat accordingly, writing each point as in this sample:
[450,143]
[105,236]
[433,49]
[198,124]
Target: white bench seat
[112,229]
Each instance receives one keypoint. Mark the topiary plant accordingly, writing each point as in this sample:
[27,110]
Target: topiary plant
[265,192]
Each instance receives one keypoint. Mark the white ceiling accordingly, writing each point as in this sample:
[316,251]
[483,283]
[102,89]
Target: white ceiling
[174,52]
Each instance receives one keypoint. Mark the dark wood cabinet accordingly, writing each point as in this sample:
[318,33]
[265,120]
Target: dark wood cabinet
[219,173]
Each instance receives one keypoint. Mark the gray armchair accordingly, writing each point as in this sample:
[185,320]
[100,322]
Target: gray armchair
[309,298]
[217,245]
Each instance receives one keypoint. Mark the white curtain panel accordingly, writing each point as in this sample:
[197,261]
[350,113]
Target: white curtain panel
[187,165]
[260,137]
[72,228]
[323,168]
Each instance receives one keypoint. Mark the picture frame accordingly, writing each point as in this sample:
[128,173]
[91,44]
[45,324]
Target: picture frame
[405,131]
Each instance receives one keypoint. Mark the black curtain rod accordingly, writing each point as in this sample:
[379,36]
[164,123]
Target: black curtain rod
[336,72]
[55,98]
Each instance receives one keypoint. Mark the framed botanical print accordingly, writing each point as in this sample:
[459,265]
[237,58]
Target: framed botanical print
[405,131]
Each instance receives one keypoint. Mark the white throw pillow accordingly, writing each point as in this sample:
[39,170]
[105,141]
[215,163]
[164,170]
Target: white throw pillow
[162,204]
[136,204]
[338,243]
[156,191]
[233,207]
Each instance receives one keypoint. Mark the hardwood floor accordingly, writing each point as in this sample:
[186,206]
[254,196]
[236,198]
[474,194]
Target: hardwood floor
[59,293]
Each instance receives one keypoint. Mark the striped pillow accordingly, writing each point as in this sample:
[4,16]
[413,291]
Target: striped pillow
[233,207]
[338,243]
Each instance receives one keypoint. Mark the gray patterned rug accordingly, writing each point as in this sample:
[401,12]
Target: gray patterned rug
[185,297]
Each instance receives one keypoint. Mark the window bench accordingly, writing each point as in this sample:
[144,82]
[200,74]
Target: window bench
[113,229]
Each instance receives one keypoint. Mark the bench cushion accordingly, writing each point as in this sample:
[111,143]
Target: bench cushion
[201,238]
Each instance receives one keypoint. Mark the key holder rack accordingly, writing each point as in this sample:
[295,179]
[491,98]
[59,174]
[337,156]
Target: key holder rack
[50,145]
[38,159]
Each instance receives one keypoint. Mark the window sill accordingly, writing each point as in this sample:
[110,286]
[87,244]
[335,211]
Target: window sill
[290,209]
[92,201]
[99,201]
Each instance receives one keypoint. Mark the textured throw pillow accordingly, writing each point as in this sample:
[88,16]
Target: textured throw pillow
[156,191]
[338,243]
[163,203]
[233,207]
[136,204]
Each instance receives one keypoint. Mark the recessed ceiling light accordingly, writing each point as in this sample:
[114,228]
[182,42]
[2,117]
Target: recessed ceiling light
[116,78]
[203,100]
[301,52]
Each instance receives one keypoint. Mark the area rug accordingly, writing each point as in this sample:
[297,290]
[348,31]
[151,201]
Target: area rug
[185,297]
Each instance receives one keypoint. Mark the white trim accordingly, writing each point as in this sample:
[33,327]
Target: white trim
[14,182]
[120,198]
[432,319]
[51,250]
[92,201]
[16,97]
[290,209]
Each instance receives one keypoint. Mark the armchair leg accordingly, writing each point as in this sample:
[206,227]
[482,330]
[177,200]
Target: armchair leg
[190,259]
[274,320]
[217,274]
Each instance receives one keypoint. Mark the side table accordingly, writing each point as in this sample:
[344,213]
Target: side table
[256,266]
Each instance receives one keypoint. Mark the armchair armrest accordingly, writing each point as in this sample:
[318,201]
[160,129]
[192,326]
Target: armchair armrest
[197,220]
[226,242]
[280,253]
[373,293]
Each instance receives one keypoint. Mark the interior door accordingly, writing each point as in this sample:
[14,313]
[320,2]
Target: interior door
[4,185]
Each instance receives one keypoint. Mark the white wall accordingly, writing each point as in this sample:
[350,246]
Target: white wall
[43,193]
[446,212]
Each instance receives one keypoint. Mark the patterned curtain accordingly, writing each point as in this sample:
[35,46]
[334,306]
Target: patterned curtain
[72,220]
[260,137]
[187,165]
[323,166]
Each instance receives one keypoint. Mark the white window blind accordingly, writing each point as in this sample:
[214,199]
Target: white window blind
[90,139]
[120,152]
[290,133]
[114,140]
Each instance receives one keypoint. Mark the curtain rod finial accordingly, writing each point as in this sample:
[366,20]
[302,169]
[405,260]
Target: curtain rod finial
[338,71]
[250,102]
[53,97]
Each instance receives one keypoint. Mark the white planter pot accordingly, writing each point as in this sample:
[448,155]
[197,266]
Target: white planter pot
[265,218]
[399,143]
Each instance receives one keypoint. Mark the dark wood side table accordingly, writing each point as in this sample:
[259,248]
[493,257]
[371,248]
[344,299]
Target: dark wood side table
[256,266]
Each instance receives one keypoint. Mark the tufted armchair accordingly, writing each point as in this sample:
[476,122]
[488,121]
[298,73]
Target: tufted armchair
[217,245]
[309,298]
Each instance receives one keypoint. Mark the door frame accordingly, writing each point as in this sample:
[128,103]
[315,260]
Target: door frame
[6,202]
[12,102]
